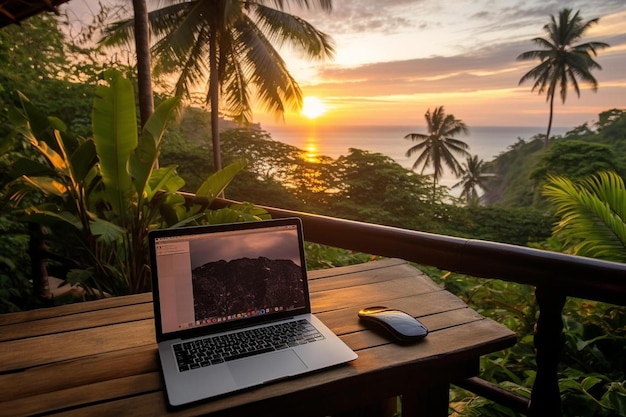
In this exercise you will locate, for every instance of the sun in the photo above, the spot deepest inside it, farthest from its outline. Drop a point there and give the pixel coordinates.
(313, 107)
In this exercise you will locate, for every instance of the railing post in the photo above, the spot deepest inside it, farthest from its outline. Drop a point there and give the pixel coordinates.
(545, 399)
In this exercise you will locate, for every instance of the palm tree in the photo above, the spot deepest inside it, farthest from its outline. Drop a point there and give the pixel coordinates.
(232, 42)
(473, 176)
(593, 214)
(562, 62)
(438, 146)
(144, 72)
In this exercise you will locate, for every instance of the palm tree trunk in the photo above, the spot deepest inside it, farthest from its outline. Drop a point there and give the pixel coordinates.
(434, 188)
(142, 47)
(550, 120)
(213, 99)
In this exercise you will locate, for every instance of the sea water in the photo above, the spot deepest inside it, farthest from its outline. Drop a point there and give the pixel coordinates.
(486, 142)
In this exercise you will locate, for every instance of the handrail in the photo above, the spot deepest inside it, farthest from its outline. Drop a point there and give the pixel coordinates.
(573, 275)
(554, 276)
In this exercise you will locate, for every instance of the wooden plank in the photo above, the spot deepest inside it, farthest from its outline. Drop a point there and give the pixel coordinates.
(81, 395)
(82, 371)
(364, 278)
(113, 302)
(77, 321)
(72, 345)
(350, 277)
(371, 294)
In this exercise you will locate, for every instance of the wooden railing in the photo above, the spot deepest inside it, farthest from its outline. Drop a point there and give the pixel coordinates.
(554, 275)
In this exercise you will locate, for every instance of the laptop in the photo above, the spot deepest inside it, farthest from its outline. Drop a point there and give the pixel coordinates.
(219, 292)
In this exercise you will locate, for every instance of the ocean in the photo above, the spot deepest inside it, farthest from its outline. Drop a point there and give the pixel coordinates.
(486, 142)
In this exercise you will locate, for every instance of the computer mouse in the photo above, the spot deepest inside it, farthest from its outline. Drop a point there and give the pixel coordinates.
(401, 326)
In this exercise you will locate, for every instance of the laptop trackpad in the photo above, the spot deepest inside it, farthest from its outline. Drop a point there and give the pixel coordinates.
(265, 368)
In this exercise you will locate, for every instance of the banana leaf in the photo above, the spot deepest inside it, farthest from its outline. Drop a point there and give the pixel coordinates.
(114, 124)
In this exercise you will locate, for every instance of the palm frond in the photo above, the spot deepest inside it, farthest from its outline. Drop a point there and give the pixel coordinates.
(281, 28)
(266, 70)
(593, 215)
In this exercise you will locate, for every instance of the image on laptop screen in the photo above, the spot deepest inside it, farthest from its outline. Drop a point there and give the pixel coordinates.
(219, 277)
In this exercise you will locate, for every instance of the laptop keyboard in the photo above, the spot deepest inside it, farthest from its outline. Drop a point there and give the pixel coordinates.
(219, 349)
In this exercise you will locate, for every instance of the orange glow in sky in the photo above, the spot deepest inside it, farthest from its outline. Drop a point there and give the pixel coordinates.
(393, 63)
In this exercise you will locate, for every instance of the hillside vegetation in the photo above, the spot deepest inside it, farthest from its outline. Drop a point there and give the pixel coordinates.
(523, 167)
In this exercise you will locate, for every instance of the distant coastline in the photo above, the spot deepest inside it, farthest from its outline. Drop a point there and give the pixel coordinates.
(485, 141)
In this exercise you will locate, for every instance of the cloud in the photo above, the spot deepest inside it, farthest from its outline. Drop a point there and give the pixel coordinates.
(490, 67)
(353, 17)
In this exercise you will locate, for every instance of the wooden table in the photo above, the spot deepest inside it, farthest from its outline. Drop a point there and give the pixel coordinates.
(99, 358)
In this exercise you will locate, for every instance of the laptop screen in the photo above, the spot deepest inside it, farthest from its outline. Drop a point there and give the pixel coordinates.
(216, 275)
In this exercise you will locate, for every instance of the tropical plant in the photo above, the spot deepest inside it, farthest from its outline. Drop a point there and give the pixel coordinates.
(593, 215)
(101, 196)
(32, 58)
(473, 176)
(16, 292)
(236, 39)
(438, 146)
(562, 62)
(373, 187)
(574, 159)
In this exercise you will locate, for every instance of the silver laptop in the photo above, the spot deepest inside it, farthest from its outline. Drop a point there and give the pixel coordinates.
(232, 309)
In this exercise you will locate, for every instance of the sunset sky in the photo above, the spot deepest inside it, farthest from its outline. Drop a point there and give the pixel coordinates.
(395, 59)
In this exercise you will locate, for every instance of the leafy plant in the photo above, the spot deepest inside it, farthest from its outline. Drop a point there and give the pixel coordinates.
(323, 257)
(593, 215)
(102, 195)
(15, 290)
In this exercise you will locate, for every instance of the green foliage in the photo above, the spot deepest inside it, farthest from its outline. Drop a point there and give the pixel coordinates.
(15, 288)
(36, 60)
(520, 170)
(275, 165)
(517, 226)
(574, 159)
(270, 177)
(372, 186)
(322, 257)
(592, 213)
(31, 52)
(101, 196)
(510, 186)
